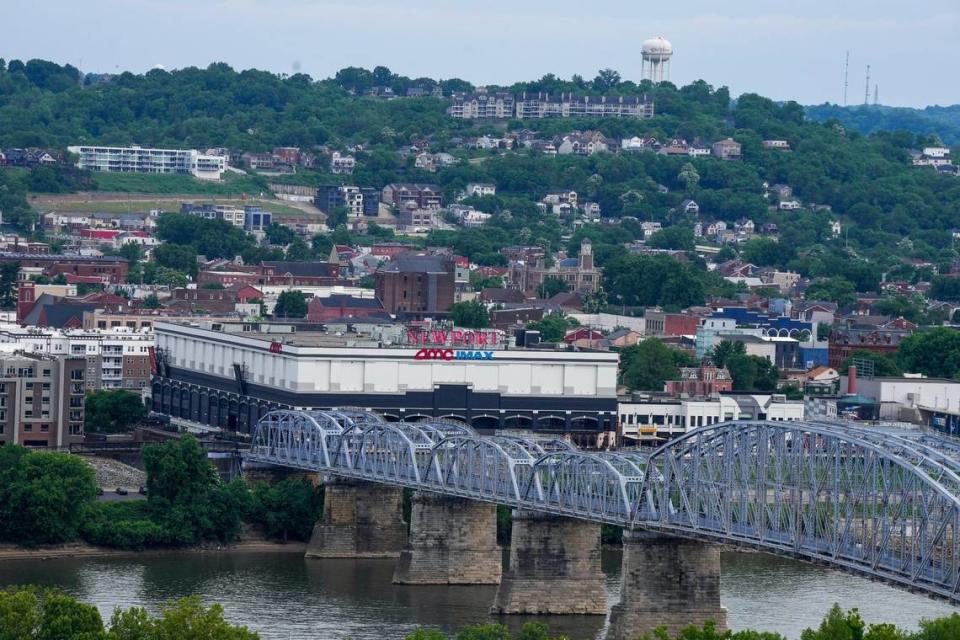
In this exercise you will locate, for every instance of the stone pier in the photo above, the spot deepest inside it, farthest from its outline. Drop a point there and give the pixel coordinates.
(554, 567)
(452, 541)
(360, 520)
(666, 581)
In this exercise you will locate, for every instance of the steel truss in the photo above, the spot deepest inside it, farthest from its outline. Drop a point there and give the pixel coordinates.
(884, 504)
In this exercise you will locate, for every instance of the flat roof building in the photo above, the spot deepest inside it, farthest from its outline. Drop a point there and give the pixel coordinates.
(142, 160)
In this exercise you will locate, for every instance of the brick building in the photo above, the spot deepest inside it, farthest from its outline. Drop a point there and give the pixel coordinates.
(425, 196)
(109, 269)
(845, 341)
(697, 382)
(416, 284)
(337, 305)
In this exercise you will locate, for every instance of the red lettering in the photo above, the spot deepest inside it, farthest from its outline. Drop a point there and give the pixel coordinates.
(412, 337)
(481, 337)
(434, 354)
(440, 337)
(447, 354)
(457, 337)
(493, 337)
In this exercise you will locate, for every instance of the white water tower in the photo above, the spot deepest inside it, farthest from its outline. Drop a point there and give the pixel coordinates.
(656, 59)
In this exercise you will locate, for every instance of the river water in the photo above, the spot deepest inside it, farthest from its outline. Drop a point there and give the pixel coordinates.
(286, 597)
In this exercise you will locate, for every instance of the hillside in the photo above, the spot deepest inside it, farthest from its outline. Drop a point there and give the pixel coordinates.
(890, 210)
(943, 122)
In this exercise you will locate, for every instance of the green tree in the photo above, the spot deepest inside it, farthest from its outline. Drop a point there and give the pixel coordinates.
(152, 302)
(183, 619)
(946, 628)
(43, 496)
(290, 304)
(298, 251)
(186, 497)
(177, 257)
(113, 411)
(9, 274)
(752, 373)
(553, 327)
(837, 625)
(288, 509)
(764, 252)
(279, 234)
(471, 314)
(551, 286)
(837, 289)
(726, 349)
(647, 365)
(933, 353)
(678, 238)
(883, 365)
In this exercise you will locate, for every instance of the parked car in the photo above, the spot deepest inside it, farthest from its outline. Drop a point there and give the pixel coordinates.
(121, 491)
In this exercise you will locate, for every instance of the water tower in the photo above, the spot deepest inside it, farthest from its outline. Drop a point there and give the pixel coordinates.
(656, 59)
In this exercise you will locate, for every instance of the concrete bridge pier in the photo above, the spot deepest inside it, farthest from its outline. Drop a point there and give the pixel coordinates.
(452, 541)
(360, 520)
(666, 581)
(554, 567)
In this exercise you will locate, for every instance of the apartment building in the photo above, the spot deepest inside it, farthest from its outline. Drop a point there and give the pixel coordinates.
(424, 196)
(482, 106)
(141, 160)
(342, 164)
(41, 399)
(228, 213)
(115, 358)
(358, 201)
(544, 105)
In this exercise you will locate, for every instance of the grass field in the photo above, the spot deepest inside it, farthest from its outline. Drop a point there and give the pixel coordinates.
(231, 184)
(118, 206)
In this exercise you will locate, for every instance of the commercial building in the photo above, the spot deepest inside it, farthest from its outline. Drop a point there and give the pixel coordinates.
(41, 399)
(116, 358)
(652, 420)
(416, 285)
(230, 375)
(931, 401)
(845, 341)
(141, 160)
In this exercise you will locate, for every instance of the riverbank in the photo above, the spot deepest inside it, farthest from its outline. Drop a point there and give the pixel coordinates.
(83, 550)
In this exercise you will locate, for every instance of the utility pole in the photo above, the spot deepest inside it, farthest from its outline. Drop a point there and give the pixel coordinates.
(846, 77)
(876, 94)
(866, 91)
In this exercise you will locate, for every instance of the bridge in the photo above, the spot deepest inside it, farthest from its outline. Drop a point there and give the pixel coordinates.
(881, 503)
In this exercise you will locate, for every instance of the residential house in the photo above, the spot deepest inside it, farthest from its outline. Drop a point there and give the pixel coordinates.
(424, 196)
(481, 189)
(690, 207)
(342, 164)
(727, 149)
(776, 145)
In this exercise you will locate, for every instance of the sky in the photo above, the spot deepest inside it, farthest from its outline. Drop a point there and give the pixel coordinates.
(783, 50)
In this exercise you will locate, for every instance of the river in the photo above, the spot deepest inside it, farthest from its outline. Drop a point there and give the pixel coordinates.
(285, 597)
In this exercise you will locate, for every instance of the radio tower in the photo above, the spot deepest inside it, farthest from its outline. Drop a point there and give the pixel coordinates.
(866, 91)
(846, 77)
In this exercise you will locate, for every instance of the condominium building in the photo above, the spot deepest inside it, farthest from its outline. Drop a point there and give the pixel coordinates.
(117, 358)
(358, 201)
(140, 160)
(228, 213)
(481, 106)
(544, 105)
(41, 399)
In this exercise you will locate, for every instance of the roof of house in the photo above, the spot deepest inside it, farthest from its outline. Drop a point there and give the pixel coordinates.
(494, 294)
(337, 300)
(413, 263)
(316, 268)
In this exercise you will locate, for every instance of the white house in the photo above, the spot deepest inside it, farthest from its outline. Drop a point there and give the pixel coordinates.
(481, 189)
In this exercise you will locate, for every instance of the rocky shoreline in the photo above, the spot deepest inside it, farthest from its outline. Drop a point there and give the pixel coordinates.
(83, 550)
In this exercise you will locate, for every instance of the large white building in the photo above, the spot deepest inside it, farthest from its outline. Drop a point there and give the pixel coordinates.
(142, 160)
(229, 375)
(654, 420)
(117, 358)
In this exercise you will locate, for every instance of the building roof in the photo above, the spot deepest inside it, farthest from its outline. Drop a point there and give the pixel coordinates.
(314, 269)
(414, 263)
(337, 300)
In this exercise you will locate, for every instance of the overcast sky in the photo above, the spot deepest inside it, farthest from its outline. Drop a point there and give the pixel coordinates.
(785, 50)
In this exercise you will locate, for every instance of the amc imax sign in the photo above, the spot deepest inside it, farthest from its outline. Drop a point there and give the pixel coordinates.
(450, 354)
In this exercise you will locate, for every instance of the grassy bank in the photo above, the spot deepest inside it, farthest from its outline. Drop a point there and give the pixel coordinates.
(83, 204)
(231, 184)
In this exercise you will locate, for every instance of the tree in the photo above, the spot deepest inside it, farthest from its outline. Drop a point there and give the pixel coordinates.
(647, 366)
(152, 302)
(288, 509)
(689, 177)
(752, 373)
(471, 314)
(279, 234)
(725, 350)
(43, 496)
(298, 251)
(677, 238)
(883, 365)
(837, 625)
(47, 614)
(945, 288)
(606, 80)
(763, 252)
(290, 304)
(551, 286)
(183, 619)
(836, 289)
(186, 497)
(113, 411)
(934, 353)
(177, 257)
(553, 327)
(169, 277)
(9, 274)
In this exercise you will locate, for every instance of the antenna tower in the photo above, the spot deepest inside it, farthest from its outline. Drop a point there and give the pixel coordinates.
(866, 91)
(846, 77)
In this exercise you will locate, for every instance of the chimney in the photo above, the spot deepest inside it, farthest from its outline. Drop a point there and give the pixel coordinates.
(851, 381)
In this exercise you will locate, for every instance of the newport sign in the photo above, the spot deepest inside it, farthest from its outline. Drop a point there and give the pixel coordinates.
(456, 337)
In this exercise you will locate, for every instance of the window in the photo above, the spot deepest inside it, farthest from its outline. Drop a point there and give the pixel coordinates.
(44, 428)
(28, 428)
(76, 374)
(46, 374)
